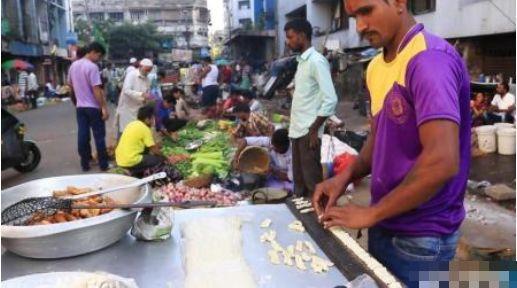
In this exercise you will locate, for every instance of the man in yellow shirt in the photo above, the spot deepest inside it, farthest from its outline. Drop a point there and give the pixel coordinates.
(136, 149)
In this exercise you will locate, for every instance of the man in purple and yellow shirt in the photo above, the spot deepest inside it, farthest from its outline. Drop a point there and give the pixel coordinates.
(419, 150)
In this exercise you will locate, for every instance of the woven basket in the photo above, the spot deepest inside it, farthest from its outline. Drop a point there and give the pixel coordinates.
(254, 160)
(199, 181)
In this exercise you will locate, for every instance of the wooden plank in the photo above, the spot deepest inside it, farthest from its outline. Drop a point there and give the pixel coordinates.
(344, 259)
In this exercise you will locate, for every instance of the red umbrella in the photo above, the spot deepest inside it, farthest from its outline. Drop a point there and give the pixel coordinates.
(16, 64)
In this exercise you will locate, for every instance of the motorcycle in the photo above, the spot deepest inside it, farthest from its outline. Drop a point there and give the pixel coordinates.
(17, 152)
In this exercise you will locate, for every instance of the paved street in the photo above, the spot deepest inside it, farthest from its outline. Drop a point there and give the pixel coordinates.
(54, 129)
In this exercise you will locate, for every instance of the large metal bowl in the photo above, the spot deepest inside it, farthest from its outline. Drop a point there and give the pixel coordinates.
(75, 237)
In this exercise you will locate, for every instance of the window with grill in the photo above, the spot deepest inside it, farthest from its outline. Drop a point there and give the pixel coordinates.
(340, 19)
(137, 15)
(245, 22)
(116, 16)
(244, 4)
(418, 7)
(97, 16)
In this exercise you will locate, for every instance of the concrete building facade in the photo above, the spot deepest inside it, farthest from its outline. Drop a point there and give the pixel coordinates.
(37, 31)
(482, 30)
(252, 31)
(186, 21)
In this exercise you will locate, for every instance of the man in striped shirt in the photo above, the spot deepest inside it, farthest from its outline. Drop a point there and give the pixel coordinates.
(22, 84)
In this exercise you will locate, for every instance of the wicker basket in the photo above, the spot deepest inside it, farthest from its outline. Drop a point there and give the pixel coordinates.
(199, 181)
(254, 160)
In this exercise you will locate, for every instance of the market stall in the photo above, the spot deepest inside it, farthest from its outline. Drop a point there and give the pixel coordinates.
(279, 245)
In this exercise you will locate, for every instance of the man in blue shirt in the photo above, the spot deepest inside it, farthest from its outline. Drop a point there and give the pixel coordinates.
(314, 100)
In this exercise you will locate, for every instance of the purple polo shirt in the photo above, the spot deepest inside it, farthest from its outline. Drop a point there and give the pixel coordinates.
(84, 75)
(428, 80)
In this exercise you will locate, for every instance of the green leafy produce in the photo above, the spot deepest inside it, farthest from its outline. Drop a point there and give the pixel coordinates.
(184, 168)
(173, 150)
(214, 162)
(213, 157)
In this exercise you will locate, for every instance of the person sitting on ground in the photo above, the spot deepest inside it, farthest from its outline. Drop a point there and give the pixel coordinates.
(181, 108)
(8, 93)
(50, 92)
(478, 109)
(250, 99)
(251, 123)
(226, 107)
(279, 146)
(502, 106)
(137, 150)
(163, 110)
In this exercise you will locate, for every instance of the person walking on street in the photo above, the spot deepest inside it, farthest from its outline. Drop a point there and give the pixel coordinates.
(22, 85)
(32, 88)
(314, 100)
(418, 151)
(135, 93)
(209, 76)
(84, 78)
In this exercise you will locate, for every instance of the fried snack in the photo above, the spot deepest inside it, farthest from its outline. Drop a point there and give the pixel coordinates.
(62, 216)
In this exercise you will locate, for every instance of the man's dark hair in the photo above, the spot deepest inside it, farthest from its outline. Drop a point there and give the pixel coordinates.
(173, 125)
(176, 90)
(96, 47)
(207, 59)
(169, 98)
(241, 108)
(161, 74)
(145, 112)
(505, 86)
(299, 26)
(280, 139)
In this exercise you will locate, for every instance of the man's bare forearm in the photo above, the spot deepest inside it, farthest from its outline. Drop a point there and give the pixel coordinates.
(363, 164)
(320, 120)
(99, 96)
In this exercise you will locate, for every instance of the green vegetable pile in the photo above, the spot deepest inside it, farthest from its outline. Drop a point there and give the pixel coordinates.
(213, 157)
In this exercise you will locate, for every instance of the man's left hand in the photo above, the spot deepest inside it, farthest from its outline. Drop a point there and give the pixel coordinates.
(313, 139)
(350, 216)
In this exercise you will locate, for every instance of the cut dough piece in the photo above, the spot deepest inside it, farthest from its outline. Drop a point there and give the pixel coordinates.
(307, 210)
(265, 223)
(299, 246)
(310, 247)
(276, 246)
(216, 260)
(297, 226)
(298, 199)
(290, 250)
(305, 256)
(303, 205)
(299, 262)
(273, 257)
(320, 265)
(288, 259)
(268, 236)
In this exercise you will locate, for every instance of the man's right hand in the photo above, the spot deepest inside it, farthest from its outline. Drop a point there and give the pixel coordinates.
(105, 113)
(327, 192)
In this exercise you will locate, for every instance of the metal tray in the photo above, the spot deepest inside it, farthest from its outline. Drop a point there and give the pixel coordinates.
(75, 237)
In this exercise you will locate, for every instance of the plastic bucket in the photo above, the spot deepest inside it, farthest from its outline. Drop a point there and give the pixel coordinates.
(506, 141)
(486, 138)
(503, 125)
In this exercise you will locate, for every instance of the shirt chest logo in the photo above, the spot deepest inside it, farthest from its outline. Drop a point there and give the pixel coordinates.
(397, 106)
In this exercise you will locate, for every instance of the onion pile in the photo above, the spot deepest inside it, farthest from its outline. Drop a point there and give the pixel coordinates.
(179, 193)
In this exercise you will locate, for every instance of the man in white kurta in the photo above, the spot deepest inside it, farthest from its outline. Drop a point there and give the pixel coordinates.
(134, 95)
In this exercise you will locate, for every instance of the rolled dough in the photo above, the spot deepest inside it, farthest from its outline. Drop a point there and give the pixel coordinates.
(213, 254)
